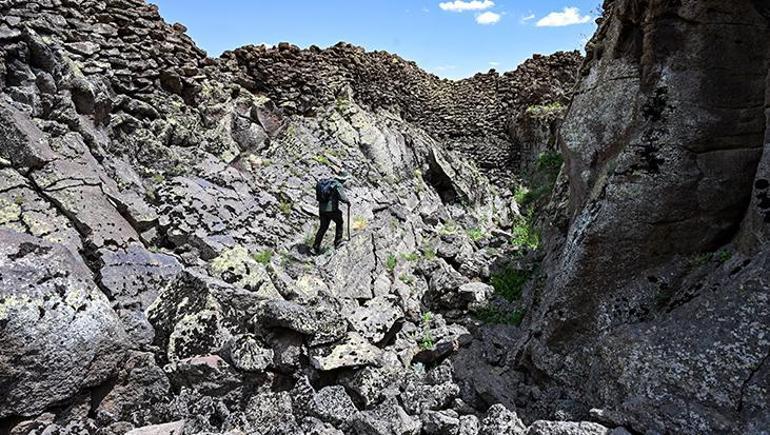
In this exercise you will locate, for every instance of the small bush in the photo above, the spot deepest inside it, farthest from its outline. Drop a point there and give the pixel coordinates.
(549, 161)
(406, 279)
(525, 235)
(701, 259)
(449, 228)
(476, 234)
(322, 159)
(543, 110)
(359, 223)
(509, 283)
(158, 179)
(286, 207)
(391, 263)
(429, 253)
(263, 257)
(493, 315)
(18, 200)
(411, 256)
(426, 341)
(724, 255)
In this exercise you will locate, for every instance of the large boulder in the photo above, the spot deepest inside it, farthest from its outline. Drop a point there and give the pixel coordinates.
(58, 333)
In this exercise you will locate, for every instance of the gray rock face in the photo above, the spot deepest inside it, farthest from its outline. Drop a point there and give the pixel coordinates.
(59, 333)
(662, 162)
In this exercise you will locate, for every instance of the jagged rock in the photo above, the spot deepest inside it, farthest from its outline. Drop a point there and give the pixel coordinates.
(174, 428)
(59, 334)
(353, 351)
(25, 146)
(376, 318)
(332, 405)
(418, 397)
(475, 294)
(196, 315)
(322, 323)
(440, 422)
(501, 421)
(210, 375)
(469, 425)
(388, 418)
(541, 427)
(133, 277)
(248, 354)
(371, 385)
(141, 393)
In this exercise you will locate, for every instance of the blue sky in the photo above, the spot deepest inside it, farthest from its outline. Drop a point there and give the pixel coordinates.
(450, 38)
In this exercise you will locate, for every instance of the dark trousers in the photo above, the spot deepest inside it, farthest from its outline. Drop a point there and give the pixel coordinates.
(326, 218)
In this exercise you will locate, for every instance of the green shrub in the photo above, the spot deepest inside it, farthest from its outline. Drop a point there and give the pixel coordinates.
(549, 161)
(426, 341)
(449, 228)
(411, 256)
(509, 282)
(429, 253)
(525, 235)
(724, 255)
(493, 315)
(322, 159)
(391, 262)
(285, 206)
(476, 234)
(18, 200)
(406, 279)
(263, 257)
(542, 110)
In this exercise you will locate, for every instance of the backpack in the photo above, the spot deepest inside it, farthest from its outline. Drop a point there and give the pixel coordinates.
(324, 190)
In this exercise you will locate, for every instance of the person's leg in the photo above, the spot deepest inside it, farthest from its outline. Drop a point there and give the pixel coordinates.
(319, 236)
(338, 227)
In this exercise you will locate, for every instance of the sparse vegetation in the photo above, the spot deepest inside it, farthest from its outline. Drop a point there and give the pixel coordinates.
(411, 256)
(286, 207)
(476, 234)
(509, 283)
(429, 252)
(158, 179)
(391, 262)
(524, 234)
(544, 110)
(701, 259)
(426, 341)
(449, 228)
(406, 278)
(724, 255)
(263, 257)
(359, 223)
(549, 161)
(18, 200)
(322, 159)
(494, 315)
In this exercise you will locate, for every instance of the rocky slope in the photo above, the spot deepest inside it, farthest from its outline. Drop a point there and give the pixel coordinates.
(653, 310)
(155, 207)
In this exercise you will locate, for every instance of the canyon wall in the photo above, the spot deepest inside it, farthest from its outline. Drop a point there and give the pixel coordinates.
(656, 306)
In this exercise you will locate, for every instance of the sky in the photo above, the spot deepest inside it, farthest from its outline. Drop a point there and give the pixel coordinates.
(450, 38)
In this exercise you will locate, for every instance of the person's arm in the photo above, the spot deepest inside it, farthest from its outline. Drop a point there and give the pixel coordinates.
(341, 194)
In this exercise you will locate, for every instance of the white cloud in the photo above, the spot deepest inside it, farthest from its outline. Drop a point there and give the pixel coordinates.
(488, 18)
(494, 63)
(567, 17)
(529, 17)
(461, 6)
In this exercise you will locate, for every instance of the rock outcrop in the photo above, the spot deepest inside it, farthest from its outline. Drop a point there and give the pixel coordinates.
(155, 211)
(656, 305)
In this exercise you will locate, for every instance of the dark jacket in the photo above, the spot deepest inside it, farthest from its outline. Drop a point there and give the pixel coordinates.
(338, 196)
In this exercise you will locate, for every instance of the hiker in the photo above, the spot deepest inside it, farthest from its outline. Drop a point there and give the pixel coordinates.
(329, 193)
